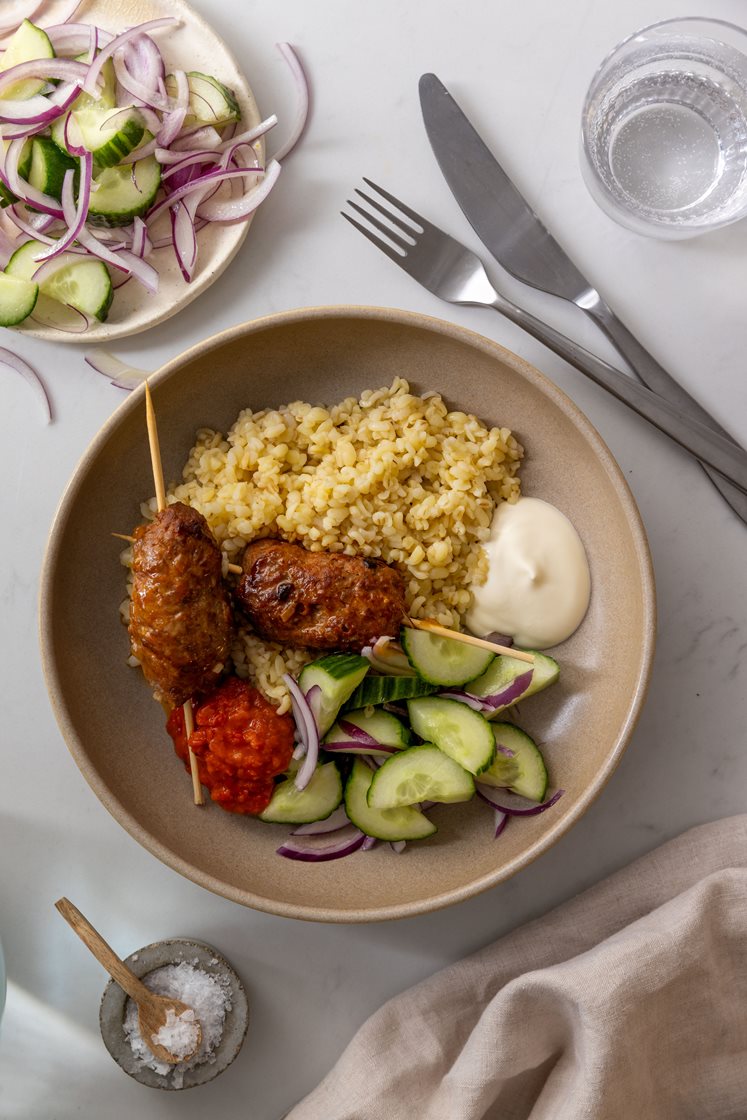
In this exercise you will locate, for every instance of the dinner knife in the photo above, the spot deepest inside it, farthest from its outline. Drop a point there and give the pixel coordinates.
(519, 241)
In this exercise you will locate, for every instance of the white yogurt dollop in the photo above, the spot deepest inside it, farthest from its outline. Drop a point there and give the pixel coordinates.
(538, 583)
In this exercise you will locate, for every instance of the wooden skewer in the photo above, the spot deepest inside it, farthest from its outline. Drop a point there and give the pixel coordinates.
(435, 628)
(155, 458)
(235, 568)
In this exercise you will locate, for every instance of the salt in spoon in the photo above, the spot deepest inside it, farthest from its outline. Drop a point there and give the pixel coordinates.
(152, 1009)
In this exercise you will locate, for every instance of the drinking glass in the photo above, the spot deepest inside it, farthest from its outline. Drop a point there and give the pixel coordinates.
(664, 128)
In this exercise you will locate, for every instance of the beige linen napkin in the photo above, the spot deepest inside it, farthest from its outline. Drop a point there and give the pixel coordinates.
(627, 1003)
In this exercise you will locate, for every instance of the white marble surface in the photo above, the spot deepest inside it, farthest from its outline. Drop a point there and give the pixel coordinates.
(521, 70)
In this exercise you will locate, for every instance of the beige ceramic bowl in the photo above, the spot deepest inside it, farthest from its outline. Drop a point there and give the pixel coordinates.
(115, 730)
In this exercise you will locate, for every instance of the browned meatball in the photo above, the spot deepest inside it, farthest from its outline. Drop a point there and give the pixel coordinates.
(323, 600)
(180, 614)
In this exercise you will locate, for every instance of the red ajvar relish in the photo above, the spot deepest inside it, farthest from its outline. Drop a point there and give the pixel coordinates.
(240, 742)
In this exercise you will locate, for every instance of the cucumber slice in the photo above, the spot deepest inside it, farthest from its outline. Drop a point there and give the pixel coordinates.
(210, 102)
(421, 773)
(443, 661)
(518, 764)
(123, 193)
(318, 801)
(49, 167)
(463, 734)
(107, 99)
(504, 677)
(17, 299)
(109, 134)
(7, 198)
(27, 44)
(383, 690)
(406, 823)
(336, 676)
(382, 726)
(84, 284)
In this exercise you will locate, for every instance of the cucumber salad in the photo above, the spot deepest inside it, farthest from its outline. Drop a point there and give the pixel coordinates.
(109, 154)
(385, 736)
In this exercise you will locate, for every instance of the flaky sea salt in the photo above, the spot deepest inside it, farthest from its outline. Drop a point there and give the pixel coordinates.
(207, 994)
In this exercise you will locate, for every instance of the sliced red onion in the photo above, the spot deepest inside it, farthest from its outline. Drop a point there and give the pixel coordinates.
(369, 843)
(513, 691)
(29, 226)
(185, 239)
(75, 38)
(75, 216)
(64, 69)
(141, 91)
(349, 746)
(501, 820)
(16, 363)
(387, 656)
(123, 259)
(204, 136)
(119, 41)
(313, 698)
(209, 179)
(302, 89)
(506, 751)
(18, 13)
(398, 846)
(174, 119)
(238, 209)
(338, 819)
(473, 702)
(511, 803)
(357, 733)
(307, 727)
(22, 189)
(499, 639)
(317, 849)
(40, 109)
(121, 374)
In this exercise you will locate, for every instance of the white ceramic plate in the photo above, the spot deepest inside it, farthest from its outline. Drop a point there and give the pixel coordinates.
(191, 46)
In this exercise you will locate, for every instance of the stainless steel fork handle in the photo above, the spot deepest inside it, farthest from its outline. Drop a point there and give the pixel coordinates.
(723, 454)
(656, 377)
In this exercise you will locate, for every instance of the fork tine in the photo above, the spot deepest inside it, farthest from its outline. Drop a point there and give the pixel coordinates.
(386, 230)
(406, 227)
(377, 241)
(407, 210)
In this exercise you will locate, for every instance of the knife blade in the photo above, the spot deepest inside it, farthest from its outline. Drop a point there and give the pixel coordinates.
(520, 242)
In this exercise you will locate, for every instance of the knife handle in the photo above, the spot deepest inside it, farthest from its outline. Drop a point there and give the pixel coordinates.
(656, 377)
(722, 454)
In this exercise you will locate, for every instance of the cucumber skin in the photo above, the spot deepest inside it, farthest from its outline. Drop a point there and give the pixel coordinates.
(45, 154)
(410, 823)
(381, 690)
(331, 674)
(411, 639)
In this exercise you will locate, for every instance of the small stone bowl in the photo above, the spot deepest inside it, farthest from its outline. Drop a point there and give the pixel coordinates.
(161, 953)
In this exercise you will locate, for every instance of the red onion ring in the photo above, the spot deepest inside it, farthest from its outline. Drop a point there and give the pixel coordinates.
(513, 805)
(238, 209)
(29, 374)
(317, 849)
(302, 90)
(119, 41)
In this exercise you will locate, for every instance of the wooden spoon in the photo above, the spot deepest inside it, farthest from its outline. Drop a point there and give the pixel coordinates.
(152, 1009)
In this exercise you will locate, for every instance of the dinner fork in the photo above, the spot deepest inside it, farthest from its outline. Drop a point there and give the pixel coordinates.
(454, 273)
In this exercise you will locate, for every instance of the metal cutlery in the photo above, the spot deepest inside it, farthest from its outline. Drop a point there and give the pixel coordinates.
(519, 241)
(454, 273)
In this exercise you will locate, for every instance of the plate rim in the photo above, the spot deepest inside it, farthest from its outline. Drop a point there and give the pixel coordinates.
(553, 833)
